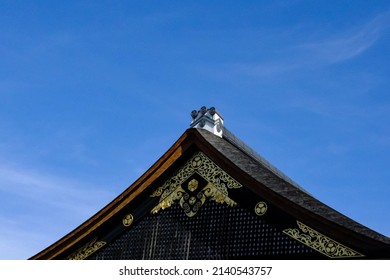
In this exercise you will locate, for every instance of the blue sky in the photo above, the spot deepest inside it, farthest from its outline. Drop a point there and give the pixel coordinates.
(94, 92)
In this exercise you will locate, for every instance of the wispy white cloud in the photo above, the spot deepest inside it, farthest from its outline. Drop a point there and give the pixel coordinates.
(341, 46)
(44, 208)
(18, 240)
(348, 44)
(45, 189)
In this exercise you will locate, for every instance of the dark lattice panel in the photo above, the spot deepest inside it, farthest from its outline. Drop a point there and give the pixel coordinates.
(215, 232)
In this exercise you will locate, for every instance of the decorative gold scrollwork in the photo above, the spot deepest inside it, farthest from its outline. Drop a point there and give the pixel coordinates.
(87, 250)
(192, 200)
(321, 243)
(261, 208)
(191, 204)
(166, 201)
(127, 220)
(219, 195)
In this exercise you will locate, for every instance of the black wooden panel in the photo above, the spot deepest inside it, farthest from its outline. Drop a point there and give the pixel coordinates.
(216, 232)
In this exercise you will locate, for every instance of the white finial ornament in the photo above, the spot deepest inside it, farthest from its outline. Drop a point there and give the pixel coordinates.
(208, 119)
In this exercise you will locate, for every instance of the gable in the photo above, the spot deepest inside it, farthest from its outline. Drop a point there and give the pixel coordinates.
(206, 198)
(217, 231)
(197, 216)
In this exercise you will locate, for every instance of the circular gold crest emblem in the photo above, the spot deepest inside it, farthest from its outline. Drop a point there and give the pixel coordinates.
(196, 162)
(127, 220)
(261, 208)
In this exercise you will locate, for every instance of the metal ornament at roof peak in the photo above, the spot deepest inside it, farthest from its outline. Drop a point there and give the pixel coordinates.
(208, 119)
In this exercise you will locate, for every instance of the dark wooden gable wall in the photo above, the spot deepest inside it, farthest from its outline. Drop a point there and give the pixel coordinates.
(209, 198)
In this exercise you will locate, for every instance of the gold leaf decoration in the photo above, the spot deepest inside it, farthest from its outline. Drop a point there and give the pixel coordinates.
(261, 208)
(219, 195)
(87, 250)
(321, 243)
(191, 204)
(127, 220)
(191, 199)
(193, 185)
(168, 198)
(201, 164)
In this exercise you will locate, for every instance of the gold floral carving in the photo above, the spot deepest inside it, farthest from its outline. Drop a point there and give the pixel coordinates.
(166, 201)
(191, 201)
(87, 250)
(193, 185)
(320, 242)
(219, 195)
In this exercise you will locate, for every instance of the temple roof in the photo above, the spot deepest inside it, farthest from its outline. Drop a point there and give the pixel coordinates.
(290, 203)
